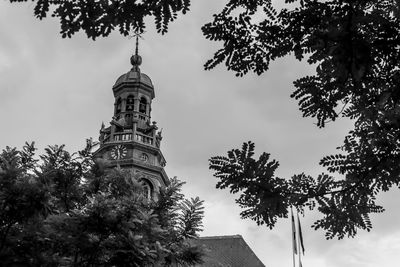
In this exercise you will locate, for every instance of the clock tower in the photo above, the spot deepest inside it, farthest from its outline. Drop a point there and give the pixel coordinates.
(132, 141)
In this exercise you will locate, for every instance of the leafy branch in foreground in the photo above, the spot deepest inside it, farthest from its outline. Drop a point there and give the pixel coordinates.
(101, 17)
(345, 204)
(355, 47)
(67, 210)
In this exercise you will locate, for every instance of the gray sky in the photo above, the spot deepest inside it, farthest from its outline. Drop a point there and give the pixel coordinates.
(58, 91)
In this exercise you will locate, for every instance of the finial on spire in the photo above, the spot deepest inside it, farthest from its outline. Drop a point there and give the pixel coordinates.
(136, 59)
(137, 45)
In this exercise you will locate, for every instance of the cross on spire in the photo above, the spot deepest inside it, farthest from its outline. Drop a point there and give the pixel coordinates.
(137, 45)
(136, 59)
(137, 35)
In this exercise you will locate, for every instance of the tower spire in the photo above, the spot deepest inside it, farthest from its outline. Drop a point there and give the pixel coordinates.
(137, 45)
(136, 59)
(131, 141)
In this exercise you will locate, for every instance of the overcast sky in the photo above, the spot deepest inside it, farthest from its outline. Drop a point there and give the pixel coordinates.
(58, 91)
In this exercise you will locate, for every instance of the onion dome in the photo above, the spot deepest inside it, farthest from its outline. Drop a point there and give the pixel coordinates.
(134, 77)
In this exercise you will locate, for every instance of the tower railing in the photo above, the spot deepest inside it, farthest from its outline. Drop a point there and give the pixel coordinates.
(145, 139)
(141, 116)
(123, 137)
(139, 137)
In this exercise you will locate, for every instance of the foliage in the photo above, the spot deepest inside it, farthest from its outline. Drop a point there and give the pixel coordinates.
(355, 46)
(265, 198)
(66, 210)
(101, 17)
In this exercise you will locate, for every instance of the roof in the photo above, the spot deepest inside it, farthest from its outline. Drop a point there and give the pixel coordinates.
(134, 76)
(227, 251)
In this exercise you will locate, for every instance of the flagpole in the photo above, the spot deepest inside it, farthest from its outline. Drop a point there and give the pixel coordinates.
(293, 237)
(294, 265)
(294, 260)
(298, 238)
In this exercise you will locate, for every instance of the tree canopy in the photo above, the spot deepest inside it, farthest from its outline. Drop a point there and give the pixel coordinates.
(66, 210)
(101, 17)
(355, 48)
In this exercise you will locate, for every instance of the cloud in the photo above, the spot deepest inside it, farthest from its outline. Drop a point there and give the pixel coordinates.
(55, 91)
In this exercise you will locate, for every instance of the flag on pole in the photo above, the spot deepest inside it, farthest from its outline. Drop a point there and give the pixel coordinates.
(293, 233)
(300, 234)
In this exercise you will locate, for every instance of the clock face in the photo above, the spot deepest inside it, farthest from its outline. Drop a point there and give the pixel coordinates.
(118, 152)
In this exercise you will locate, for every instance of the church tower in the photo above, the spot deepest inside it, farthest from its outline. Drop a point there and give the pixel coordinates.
(132, 140)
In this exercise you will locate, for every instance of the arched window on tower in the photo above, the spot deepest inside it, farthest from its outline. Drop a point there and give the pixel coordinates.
(147, 188)
(130, 103)
(118, 106)
(143, 105)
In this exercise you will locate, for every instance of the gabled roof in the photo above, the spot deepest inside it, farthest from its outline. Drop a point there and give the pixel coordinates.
(227, 251)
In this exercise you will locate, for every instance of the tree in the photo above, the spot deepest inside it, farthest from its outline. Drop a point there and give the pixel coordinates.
(66, 210)
(354, 46)
(101, 17)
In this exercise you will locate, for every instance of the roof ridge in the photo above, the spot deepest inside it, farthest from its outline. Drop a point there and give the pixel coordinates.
(221, 237)
(251, 251)
(217, 241)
